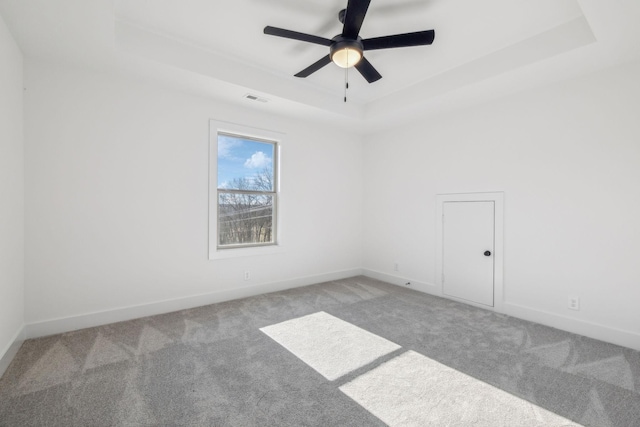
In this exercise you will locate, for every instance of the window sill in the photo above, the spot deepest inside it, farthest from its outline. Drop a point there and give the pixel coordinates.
(245, 252)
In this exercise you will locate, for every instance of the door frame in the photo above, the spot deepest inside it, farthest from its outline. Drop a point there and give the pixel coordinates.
(498, 249)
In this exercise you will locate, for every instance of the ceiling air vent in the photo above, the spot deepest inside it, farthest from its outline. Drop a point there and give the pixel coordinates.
(255, 98)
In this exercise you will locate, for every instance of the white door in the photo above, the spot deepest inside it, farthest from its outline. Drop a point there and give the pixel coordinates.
(468, 245)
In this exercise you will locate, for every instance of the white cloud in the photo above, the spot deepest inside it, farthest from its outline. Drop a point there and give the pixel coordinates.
(225, 144)
(257, 160)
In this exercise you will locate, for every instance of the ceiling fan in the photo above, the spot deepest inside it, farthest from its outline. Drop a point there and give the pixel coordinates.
(347, 49)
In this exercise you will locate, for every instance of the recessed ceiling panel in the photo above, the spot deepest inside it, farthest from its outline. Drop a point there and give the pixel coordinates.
(466, 30)
(218, 49)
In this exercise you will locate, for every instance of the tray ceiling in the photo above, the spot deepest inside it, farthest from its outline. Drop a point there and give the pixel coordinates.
(481, 50)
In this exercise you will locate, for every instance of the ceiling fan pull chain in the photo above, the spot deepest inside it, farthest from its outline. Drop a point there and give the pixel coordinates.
(346, 83)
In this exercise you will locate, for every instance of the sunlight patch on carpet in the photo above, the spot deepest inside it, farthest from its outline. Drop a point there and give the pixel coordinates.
(329, 345)
(413, 390)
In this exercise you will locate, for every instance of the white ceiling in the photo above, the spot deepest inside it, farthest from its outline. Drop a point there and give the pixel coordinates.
(482, 50)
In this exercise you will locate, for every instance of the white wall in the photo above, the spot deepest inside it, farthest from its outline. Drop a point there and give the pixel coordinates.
(567, 158)
(11, 195)
(116, 200)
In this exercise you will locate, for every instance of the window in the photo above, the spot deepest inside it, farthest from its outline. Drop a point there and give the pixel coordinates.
(244, 185)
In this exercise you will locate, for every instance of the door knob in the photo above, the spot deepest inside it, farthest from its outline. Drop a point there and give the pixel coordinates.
(487, 253)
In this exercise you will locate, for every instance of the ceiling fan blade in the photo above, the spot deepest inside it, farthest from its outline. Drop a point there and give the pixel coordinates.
(367, 71)
(314, 67)
(288, 34)
(419, 38)
(354, 16)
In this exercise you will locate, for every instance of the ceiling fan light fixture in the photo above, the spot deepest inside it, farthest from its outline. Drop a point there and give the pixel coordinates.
(347, 57)
(346, 53)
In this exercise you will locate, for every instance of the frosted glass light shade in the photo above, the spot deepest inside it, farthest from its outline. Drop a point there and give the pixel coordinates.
(347, 57)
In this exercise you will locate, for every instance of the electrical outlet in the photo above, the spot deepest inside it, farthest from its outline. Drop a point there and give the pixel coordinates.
(574, 303)
(247, 275)
(396, 267)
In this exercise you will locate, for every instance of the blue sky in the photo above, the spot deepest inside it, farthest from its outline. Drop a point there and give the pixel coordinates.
(241, 158)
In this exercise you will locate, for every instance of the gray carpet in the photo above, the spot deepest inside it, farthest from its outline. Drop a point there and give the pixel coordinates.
(213, 366)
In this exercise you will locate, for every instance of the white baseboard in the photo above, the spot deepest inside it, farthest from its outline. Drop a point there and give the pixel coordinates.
(11, 350)
(54, 326)
(425, 287)
(88, 320)
(581, 327)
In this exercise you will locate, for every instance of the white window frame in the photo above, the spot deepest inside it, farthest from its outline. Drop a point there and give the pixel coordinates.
(219, 127)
